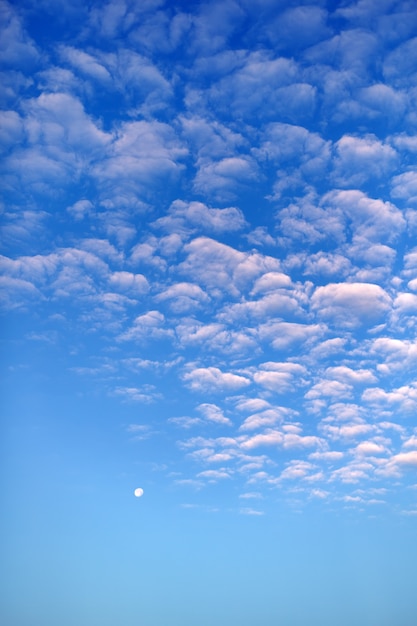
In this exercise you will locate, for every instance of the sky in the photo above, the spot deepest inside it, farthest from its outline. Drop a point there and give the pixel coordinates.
(208, 324)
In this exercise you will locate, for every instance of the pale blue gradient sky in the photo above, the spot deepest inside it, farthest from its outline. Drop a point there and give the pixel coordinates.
(209, 291)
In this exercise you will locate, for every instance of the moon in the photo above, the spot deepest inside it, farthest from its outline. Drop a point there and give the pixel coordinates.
(138, 492)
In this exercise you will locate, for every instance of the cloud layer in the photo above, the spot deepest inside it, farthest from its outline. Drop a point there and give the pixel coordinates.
(220, 202)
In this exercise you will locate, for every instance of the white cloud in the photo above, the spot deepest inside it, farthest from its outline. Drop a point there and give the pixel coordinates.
(366, 448)
(185, 422)
(86, 63)
(222, 179)
(221, 267)
(327, 455)
(145, 394)
(374, 219)
(329, 388)
(17, 293)
(277, 438)
(270, 282)
(346, 431)
(80, 209)
(283, 335)
(136, 284)
(360, 158)
(405, 458)
(150, 325)
(18, 50)
(350, 376)
(351, 304)
(213, 413)
(220, 200)
(405, 397)
(262, 419)
(188, 217)
(142, 154)
(285, 143)
(183, 297)
(326, 264)
(214, 475)
(250, 511)
(252, 404)
(404, 187)
(299, 470)
(212, 379)
(304, 24)
(411, 442)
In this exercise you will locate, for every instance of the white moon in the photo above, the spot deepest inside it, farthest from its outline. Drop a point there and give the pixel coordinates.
(138, 492)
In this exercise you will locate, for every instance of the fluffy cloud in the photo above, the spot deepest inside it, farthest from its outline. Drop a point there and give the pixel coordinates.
(360, 158)
(212, 379)
(218, 202)
(188, 217)
(351, 304)
(213, 413)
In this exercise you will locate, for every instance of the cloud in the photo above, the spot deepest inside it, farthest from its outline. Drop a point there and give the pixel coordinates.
(222, 268)
(399, 65)
(411, 442)
(329, 388)
(219, 200)
(17, 293)
(328, 456)
(264, 86)
(360, 158)
(213, 413)
(250, 511)
(350, 376)
(223, 179)
(299, 26)
(183, 297)
(346, 431)
(150, 325)
(351, 304)
(270, 282)
(80, 209)
(285, 335)
(300, 470)
(145, 394)
(306, 222)
(135, 284)
(280, 377)
(214, 475)
(213, 380)
(289, 144)
(369, 448)
(326, 264)
(142, 154)
(211, 139)
(373, 219)
(17, 49)
(407, 459)
(11, 129)
(277, 438)
(404, 187)
(185, 422)
(404, 397)
(190, 217)
(85, 63)
(262, 419)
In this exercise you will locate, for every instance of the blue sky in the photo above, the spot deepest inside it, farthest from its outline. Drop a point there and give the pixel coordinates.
(209, 292)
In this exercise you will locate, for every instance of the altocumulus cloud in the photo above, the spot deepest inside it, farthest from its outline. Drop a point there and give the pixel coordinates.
(210, 215)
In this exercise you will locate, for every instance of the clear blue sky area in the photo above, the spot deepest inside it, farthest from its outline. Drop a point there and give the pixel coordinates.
(208, 313)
